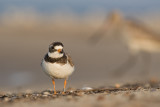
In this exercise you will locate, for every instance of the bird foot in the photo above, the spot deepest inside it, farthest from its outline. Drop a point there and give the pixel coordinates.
(63, 93)
(55, 92)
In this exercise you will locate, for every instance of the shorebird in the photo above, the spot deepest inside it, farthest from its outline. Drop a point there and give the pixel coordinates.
(57, 64)
(136, 36)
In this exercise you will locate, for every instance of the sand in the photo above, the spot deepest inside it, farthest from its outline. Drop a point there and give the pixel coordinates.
(128, 95)
(23, 45)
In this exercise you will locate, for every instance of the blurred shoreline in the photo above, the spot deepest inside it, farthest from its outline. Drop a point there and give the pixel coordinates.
(28, 23)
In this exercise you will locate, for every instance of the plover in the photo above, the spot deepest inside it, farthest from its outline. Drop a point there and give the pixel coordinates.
(136, 36)
(57, 64)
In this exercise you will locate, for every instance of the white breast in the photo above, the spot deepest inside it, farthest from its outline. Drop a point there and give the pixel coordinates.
(55, 70)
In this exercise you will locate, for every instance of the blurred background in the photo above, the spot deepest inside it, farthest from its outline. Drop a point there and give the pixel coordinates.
(27, 27)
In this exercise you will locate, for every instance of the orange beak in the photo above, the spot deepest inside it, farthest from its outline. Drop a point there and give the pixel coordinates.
(59, 50)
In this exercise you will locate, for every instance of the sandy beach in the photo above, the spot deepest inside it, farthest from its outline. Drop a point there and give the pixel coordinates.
(128, 95)
(24, 40)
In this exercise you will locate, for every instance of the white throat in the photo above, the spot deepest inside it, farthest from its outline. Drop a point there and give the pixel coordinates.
(55, 54)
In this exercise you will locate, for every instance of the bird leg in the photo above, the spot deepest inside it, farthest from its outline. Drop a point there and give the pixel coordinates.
(64, 89)
(54, 86)
(147, 63)
(126, 66)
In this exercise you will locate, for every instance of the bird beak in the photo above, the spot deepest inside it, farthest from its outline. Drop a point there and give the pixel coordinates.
(59, 50)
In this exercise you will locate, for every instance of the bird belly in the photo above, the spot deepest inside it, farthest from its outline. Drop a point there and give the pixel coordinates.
(55, 70)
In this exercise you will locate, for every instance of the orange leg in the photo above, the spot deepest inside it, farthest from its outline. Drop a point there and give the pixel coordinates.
(64, 89)
(54, 86)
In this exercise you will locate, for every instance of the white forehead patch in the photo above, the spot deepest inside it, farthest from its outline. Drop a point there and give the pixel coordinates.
(58, 47)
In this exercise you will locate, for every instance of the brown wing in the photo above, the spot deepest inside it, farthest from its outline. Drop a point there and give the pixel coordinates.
(70, 60)
(142, 27)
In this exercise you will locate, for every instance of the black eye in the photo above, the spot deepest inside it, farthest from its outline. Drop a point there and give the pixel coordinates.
(52, 47)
